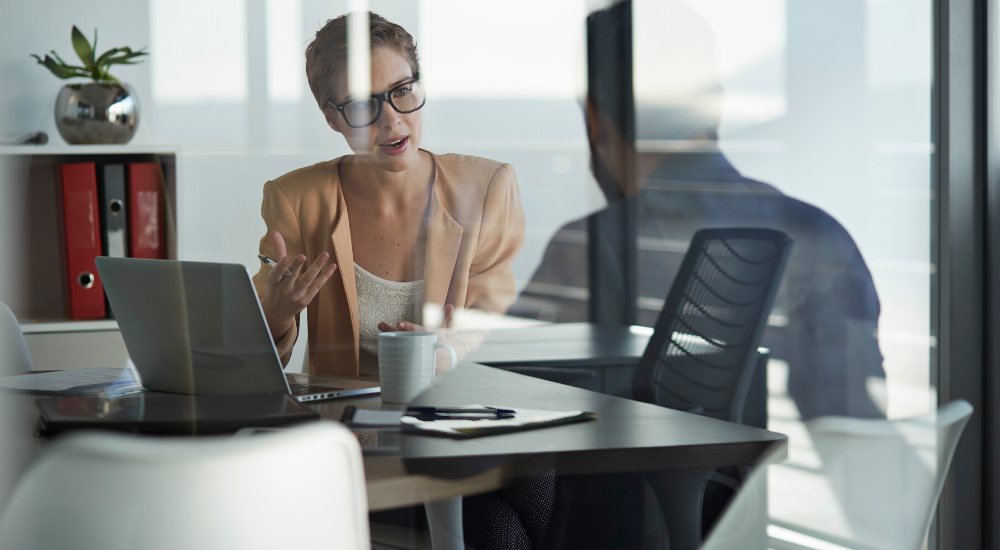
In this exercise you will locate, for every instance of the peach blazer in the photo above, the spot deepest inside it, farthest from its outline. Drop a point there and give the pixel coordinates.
(475, 228)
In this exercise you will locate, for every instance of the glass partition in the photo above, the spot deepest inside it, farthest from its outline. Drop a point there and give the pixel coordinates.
(813, 118)
(542, 167)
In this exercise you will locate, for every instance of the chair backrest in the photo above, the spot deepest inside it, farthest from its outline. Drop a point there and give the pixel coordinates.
(109, 491)
(13, 351)
(880, 481)
(704, 345)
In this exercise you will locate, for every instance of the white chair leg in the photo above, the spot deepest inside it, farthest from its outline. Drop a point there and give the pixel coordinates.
(444, 518)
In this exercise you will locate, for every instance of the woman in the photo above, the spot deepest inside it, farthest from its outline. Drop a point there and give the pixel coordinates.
(414, 234)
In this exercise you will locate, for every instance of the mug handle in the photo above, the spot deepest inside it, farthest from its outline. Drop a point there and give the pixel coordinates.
(451, 351)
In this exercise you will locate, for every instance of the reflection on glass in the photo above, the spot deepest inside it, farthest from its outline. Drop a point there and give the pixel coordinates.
(880, 484)
(792, 129)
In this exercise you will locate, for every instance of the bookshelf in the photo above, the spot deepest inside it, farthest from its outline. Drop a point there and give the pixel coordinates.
(47, 326)
(32, 270)
(78, 150)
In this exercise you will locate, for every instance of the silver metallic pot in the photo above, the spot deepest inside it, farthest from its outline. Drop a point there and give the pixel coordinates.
(105, 112)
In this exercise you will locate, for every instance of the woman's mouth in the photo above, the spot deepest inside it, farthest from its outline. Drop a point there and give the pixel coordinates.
(395, 147)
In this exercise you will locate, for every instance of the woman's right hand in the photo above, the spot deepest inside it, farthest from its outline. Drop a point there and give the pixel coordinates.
(286, 296)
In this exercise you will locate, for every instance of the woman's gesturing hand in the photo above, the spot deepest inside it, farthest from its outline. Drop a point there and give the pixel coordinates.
(406, 326)
(286, 296)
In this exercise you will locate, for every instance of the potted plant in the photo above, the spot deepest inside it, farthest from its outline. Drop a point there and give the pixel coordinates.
(103, 110)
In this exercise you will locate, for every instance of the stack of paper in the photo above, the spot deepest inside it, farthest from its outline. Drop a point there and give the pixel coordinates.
(524, 419)
(93, 382)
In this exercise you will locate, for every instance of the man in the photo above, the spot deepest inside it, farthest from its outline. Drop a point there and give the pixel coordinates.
(825, 316)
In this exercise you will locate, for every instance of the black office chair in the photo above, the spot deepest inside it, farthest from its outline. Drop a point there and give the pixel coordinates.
(703, 350)
(700, 359)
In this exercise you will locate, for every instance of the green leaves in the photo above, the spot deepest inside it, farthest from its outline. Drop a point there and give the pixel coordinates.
(97, 69)
(82, 47)
(61, 70)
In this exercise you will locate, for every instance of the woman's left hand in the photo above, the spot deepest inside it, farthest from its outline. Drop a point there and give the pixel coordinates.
(405, 326)
(442, 360)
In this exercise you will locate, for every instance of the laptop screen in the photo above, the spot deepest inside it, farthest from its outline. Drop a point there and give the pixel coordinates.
(192, 327)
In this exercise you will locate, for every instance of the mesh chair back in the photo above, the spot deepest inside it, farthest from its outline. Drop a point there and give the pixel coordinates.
(704, 346)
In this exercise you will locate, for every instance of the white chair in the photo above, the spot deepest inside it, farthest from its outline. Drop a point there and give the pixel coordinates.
(13, 351)
(118, 492)
(885, 478)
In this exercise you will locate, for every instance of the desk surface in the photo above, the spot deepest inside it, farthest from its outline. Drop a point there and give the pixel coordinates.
(576, 344)
(627, 436)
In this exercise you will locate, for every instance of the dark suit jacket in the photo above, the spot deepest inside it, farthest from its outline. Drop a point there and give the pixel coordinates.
(825, 317)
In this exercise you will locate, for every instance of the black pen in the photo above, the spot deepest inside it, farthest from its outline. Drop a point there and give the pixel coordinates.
(271, 263)
(460, 412)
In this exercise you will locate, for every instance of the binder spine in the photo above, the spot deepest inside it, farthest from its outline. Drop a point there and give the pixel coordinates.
(114, 218)
(146, 211)
(81, 216)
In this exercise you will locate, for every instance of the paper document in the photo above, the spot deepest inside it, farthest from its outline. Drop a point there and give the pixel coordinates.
(370, 418)
(524, 419)
(69, 379)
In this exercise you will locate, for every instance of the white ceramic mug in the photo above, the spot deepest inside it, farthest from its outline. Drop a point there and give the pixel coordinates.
(406, 363)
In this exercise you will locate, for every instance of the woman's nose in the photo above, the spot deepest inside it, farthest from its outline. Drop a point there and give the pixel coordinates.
(389, 118)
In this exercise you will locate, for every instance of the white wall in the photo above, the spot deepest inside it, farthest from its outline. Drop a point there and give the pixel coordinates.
(233, 136)
(225, 83)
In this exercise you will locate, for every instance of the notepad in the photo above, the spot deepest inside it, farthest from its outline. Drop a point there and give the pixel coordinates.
(367, 418)
(93, 382)
(524, 419)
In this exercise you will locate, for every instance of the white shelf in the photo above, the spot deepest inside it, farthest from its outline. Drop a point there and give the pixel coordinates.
(42, 326)
(121, 149)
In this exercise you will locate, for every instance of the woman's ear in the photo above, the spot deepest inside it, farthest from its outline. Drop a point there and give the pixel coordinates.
(333, 119)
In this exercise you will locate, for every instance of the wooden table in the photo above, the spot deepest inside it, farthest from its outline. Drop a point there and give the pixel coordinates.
(628, 436)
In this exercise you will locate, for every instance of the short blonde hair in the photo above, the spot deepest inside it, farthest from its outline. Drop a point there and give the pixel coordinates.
(326, 55)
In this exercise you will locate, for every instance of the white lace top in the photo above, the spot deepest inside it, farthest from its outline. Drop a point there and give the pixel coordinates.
(381, 300)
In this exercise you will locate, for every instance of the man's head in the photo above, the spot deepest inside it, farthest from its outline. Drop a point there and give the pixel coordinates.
(651, 76)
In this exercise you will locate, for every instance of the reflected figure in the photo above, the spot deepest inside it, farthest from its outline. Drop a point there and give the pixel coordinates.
(825, 318)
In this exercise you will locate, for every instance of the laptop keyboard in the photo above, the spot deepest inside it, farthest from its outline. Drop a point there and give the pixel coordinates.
(306, 389)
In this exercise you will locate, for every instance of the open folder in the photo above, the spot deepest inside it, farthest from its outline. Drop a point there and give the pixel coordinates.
(522, 419)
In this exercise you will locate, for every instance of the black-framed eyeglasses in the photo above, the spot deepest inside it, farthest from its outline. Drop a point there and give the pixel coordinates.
(404, 98)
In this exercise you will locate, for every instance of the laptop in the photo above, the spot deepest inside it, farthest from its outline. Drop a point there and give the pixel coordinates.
(171, 413)
(197, 328)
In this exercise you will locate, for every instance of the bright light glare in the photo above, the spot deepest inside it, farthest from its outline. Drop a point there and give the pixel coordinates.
(286, 45)
(359, 65)
(517, 48)
(198, 51)
(683, 50)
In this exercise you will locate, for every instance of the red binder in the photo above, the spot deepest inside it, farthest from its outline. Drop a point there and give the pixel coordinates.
(147, 228)
(82, 227)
